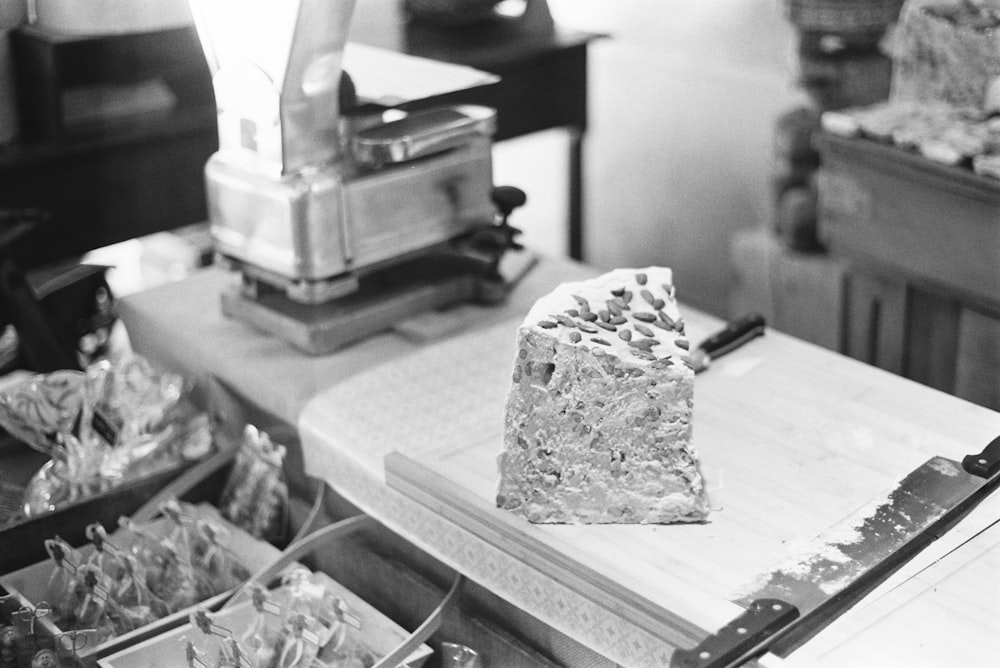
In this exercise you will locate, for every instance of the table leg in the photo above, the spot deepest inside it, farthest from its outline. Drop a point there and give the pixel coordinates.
(575, 216)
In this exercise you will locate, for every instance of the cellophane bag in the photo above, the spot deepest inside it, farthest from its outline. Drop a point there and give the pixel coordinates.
(255, 496)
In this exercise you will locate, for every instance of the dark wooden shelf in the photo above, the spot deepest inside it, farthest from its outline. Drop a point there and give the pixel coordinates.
(107, 135)
(109, 185)
(122, 175)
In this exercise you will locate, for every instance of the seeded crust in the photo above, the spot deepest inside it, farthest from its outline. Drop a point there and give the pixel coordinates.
(598, 415)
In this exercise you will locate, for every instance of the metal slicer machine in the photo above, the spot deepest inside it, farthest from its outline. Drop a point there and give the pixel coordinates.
(339, 223)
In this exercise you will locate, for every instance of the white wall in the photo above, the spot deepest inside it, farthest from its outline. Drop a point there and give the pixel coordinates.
(683, 98)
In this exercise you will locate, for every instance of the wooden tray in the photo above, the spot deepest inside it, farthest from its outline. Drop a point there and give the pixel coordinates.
(193, 481)
(28, 586)
(167, 649)
(384, 638)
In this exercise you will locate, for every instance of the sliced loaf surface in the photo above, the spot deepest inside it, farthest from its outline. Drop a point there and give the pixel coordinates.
(598, 415)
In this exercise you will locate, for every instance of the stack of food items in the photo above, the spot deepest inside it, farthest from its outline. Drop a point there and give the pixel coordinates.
(947, 51)
(598, 415)
(945, 100)
(102, 427)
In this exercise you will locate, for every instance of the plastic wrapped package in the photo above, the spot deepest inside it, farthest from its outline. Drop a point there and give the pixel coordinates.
(101, 428)
(255, 497)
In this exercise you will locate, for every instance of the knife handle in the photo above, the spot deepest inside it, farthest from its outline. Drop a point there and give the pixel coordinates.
(735, 334)
(986, 463)
(763, 618)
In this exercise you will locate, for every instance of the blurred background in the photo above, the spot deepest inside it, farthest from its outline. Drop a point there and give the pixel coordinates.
(684, 95)
(703, 151)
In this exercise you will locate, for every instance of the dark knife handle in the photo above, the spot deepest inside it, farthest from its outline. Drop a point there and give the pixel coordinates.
(734, 335)
(986, 463)
(762, 619)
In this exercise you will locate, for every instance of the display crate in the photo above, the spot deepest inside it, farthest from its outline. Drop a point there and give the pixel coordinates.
(389, 645)
(28, 587)
(194, 481)
(167, 649)
(920, 240)
(29, 533)
(896, 209)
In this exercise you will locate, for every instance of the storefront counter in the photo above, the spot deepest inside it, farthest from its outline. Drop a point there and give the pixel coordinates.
(793, 439)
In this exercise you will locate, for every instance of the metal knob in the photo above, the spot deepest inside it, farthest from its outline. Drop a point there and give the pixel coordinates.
(508, 198)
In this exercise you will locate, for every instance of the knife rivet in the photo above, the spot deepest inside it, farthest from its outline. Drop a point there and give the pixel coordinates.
(776, 606)
(982, 460)
(742, 631)
(704, 655)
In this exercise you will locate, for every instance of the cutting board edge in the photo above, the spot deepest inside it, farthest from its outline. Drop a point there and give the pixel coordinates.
(422, 484)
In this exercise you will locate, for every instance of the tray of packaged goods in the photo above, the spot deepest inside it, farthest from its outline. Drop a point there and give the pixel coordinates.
(306, 619)
(95, 444)
(127, 585)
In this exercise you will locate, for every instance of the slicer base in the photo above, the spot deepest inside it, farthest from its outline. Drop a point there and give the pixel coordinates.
(380, 302)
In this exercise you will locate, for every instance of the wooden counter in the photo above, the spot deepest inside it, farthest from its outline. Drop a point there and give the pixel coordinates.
(793, 438)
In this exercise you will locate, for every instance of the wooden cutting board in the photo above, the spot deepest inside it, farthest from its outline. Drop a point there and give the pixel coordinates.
(792, 439)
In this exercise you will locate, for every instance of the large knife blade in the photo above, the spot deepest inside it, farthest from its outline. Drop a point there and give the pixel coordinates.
(790, 603)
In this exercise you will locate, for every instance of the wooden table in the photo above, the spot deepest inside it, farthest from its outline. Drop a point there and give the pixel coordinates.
(793, 438)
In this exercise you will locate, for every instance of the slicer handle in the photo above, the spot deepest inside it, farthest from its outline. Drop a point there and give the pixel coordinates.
(735, 334)
(762, 619)
(422, 133)
(508, 198)
(987, 463)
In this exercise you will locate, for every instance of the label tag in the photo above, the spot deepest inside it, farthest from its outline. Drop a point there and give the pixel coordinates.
(105, 427)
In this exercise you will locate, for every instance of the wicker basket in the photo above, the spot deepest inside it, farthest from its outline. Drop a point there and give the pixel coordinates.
(842, 16)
